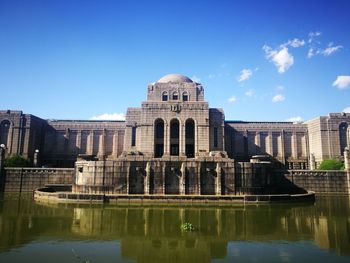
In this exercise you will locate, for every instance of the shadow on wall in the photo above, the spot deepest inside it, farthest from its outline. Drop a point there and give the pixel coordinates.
(241, 148)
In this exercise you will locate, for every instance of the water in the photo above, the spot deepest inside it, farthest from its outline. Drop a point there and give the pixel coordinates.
(32, 232)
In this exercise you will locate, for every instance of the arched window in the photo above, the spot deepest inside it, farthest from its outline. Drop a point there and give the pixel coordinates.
(174, 137)
(165, 96)
(175, 95)
(158, 138)
(133, 136)
(343, 128)
(185, 96)
(4, 131)
(189, 138)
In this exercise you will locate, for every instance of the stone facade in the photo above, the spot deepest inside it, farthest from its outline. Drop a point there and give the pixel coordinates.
(175, 120)
(329, 136)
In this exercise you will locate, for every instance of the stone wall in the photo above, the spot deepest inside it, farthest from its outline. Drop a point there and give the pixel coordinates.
(21, 133)
(329, 135)
(332, 182)
(64, 140)
(286, 142)
(29, 179)
(173, 176)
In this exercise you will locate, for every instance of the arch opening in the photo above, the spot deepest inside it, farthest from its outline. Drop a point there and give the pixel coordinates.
(343, 140)
(158, 138)
(190, 138)
(174, 137)
(4, 132)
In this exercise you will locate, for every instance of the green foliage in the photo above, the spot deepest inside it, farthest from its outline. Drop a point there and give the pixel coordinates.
(187, 227)
(17, 161)
(331, 165)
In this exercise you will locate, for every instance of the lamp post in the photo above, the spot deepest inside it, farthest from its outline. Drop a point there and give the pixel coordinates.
(2, 158)
(36, 158)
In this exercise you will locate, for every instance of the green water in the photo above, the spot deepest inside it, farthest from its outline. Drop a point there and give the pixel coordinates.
(32, 232)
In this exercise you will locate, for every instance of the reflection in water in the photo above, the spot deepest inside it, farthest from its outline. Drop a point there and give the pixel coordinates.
(152, 234)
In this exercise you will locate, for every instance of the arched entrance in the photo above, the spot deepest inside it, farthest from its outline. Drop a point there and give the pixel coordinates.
(4, 132)
(174, 137)
(189, 134)
(343, 140)
(136, 181)
(207, 181)
(172, 181)
(158, 138)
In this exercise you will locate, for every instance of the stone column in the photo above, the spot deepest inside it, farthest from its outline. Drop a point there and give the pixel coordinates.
(270, 146)
(90, 143)
(294, 146)
(182, 181)
(218, 179)
(36, 158)
(347, 166)
(78, 142)
(283, 148)
(166, 139)
(115, 145)
(196, 150)
(347, 159)
(101, 144)
(312, 162)
(146, 184)
(257, 143)
(182, 140)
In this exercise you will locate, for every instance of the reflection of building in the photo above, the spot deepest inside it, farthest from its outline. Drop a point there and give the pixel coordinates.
(153, 233)
(175, 120)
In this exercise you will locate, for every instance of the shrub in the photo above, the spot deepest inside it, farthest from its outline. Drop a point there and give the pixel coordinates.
(187, 227)
(17, 161)
(331, 165)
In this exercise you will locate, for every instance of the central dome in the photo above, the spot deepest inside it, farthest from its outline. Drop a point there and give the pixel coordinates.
(176, 78)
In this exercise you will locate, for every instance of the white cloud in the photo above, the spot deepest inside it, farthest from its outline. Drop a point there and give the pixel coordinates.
(281, 58)
(330, 49)
(211, 76)
(310, 53)
(295, 119)
(347, 110)
(196, 79)
(232, 99)
(278, 98)
(313, 35)
(245, 75)
(342, 82)
(109, 116)
(294, 43)
(280, 88)
(249, 93)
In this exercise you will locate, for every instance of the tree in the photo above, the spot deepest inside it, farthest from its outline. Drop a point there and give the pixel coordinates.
(17, 161)
(331, 164)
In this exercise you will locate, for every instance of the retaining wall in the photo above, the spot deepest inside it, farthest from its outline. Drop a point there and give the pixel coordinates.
(320, 181)
(29, 179)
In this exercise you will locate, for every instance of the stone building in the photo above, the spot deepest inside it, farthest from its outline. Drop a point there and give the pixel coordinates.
(175, 120)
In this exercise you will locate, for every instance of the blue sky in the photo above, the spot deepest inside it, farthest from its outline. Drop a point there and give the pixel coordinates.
(258, 60)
